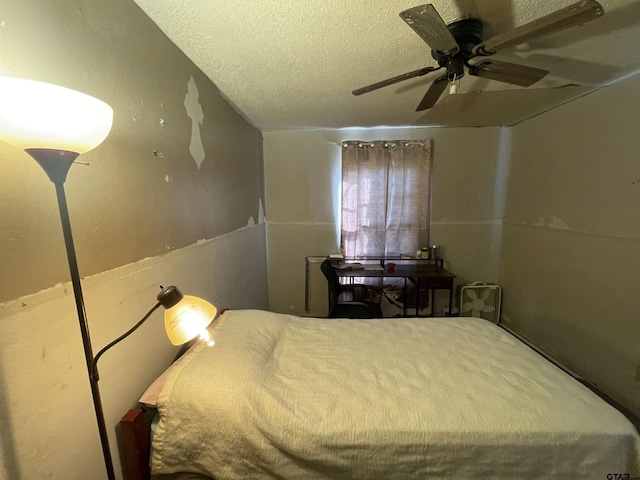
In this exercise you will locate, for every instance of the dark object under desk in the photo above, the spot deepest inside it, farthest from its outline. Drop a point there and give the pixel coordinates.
(423, 276)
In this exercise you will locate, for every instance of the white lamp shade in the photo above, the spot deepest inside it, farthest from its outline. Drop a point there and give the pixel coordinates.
(188, 319)
(40, 115)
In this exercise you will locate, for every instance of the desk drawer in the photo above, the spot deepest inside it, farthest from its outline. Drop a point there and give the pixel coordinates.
(435, 282)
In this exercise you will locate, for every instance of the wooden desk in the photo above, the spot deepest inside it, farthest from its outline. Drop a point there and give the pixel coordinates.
(397, 259)
(430, 277)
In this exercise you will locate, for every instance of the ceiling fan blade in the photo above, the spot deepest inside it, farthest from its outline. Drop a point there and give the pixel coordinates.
(428, 24)
(392, 80)
(507, 72)
(575, 14)
(433, 94)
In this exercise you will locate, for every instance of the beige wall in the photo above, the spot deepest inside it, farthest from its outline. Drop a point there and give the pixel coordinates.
(139, 220)
(302, 178)
(570, 265)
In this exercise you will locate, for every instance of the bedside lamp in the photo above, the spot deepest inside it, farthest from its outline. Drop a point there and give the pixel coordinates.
(54, 125)
(186, 317)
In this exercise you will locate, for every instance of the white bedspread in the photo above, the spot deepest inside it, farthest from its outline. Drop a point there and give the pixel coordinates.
(281, 396)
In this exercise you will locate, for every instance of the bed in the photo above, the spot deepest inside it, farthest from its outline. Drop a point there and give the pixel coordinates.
(280, 396)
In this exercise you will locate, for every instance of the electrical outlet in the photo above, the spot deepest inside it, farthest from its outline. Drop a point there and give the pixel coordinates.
(638, 373)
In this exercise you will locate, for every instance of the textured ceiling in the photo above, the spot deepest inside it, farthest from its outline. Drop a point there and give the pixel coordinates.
(293, 63)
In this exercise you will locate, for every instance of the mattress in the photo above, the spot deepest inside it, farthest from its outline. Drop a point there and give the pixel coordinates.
(280, 396)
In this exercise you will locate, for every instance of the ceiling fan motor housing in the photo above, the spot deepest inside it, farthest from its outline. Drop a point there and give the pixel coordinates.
(468, 33)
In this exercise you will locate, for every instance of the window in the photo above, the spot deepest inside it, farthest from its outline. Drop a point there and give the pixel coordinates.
(385, 197)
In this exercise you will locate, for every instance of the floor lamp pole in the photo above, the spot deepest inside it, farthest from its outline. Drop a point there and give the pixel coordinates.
(54, 124)
(56, 164)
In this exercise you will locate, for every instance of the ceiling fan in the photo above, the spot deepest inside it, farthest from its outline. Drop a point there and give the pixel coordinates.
(454, 45)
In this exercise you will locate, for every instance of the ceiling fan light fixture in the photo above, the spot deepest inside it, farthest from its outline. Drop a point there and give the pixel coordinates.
(455, 68)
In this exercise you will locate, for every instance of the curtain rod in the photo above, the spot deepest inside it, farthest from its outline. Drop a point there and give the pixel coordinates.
(386, 144)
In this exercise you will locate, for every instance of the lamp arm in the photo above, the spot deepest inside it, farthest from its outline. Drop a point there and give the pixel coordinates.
(94, 366)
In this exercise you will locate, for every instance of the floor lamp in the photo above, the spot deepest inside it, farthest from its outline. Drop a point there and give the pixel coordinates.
(54, 125)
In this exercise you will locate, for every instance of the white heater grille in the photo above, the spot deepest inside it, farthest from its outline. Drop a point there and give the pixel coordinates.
(316, 295)
(479, 299)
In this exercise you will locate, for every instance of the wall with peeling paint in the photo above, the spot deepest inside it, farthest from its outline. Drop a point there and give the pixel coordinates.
(173, 196)
(570, 265)
(149, 171)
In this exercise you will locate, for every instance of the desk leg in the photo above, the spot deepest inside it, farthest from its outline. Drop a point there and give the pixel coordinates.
(433, 302)
(450, 299)
(404, 295)
(418, 297)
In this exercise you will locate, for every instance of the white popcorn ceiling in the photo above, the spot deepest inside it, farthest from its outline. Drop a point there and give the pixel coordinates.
(293, 63)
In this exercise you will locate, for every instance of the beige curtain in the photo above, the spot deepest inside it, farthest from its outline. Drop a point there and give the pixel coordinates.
(385, 197)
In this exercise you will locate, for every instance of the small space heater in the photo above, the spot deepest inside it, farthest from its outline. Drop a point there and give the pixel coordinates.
(479, 299)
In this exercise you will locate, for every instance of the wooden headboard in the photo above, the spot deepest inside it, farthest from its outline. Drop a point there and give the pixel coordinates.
(136, 444)
(136, 434)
